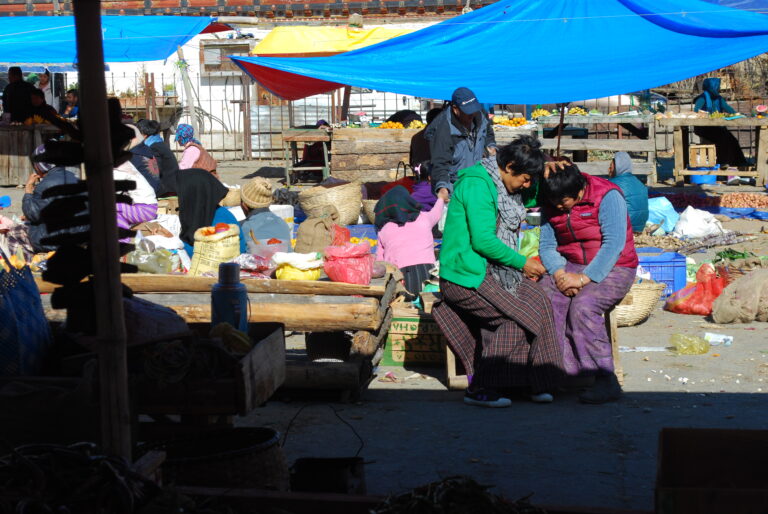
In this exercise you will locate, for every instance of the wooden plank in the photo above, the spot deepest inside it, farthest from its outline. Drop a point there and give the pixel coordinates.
(354, 147)
(149, 283)
(308, 136)
(366, 175)
(307, 317)
(373, 134)
(762, 157)
(615, 145)
(721, 172)
(262, 371)
(713, 122)
(368, 161)
(678, 151)
(594, 120)
(601, 167)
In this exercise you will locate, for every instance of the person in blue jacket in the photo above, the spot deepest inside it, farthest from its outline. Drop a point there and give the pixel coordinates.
(199, 196)
(726, 145)
(635, 192)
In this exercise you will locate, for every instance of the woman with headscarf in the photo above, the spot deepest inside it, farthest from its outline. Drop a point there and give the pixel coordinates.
(496, 321)
(194, 155)
(635, 192)
(199, 196)
(405, 235)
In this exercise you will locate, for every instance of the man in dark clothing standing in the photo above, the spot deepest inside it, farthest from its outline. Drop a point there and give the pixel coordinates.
(16, 96)
(458, 138)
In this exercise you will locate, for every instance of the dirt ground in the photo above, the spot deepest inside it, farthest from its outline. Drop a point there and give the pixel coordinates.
(415, 431)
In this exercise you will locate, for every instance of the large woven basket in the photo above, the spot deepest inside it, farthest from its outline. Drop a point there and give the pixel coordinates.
(368, 209)
(346, 198)
(639, 302)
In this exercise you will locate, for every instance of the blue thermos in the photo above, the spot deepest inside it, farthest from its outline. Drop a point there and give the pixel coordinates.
(229, 298)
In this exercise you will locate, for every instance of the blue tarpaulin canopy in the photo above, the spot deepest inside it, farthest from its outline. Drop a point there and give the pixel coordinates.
(51, 39)
(545, 51)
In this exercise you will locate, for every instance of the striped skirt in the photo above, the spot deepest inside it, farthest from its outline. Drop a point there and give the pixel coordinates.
(130, 215)
(503, 340)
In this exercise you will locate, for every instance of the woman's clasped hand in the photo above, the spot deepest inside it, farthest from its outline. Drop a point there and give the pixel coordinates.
(570, 283)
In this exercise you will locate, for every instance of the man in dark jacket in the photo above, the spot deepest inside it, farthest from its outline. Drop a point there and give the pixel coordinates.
(458, 138)
(45, 177)
(16, 96)
(166, 161)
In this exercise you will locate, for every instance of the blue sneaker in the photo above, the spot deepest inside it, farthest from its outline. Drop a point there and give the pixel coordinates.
(486, 398)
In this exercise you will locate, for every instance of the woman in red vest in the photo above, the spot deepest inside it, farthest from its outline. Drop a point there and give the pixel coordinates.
(589, 252)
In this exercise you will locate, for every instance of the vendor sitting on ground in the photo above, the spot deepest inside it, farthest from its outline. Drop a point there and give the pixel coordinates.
(589, 252)
(199, 196)
(262, 226)
(166, 161)
(635, 192)
(144, 160)
(727, 146)
(144, 201)
(194, 155)
(405, 236)
(45, 177)
(497, 322)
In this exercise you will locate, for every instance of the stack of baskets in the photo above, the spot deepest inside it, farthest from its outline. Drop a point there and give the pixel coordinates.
(639, 302)
(346, 198)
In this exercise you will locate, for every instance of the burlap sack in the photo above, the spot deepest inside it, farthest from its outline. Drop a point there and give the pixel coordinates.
(316, 232)
(210, 251)
(744, 300)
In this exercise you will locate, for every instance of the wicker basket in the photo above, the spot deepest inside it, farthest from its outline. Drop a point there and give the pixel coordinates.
(368, 209)
(234, 458)
(346, 198)
(639, 302)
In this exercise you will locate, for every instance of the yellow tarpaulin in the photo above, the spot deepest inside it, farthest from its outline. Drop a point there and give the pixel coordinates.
(320, 41)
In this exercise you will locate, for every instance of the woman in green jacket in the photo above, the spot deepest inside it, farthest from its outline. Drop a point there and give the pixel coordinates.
(497, 321)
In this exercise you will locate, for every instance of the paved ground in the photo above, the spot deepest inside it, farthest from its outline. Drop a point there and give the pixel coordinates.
(415, 431)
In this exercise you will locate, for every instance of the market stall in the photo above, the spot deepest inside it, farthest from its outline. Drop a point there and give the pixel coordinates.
(681, 127)
(16, 145)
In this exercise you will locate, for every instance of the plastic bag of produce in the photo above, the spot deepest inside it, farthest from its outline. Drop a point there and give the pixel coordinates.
(529, 244)
(697, 223)
(698, 298)
(351, 263)
(661, 211)
(298, 266)
(161, 261)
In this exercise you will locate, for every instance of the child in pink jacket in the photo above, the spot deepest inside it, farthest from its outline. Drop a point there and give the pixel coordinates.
(405, 235)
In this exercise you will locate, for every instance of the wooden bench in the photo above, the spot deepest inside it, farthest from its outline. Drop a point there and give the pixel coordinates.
(458, 381)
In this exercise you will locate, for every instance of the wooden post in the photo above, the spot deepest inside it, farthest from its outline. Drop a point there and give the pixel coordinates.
(110, 319)
(678, 150)
(345, 103)
(761, 157)
(246, 108)
(188, 93)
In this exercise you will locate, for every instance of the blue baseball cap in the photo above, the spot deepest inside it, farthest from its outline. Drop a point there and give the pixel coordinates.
(5, 202)
(466, 100)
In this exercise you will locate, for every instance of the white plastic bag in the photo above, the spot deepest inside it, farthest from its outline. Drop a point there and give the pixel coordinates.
(302, 261)
(697, 223)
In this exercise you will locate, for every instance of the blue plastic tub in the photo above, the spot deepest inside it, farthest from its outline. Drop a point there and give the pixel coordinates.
(703, 179)
(666, 267)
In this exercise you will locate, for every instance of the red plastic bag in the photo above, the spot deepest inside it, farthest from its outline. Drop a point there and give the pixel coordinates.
(698, 298)
(340, 235)
(350, 263)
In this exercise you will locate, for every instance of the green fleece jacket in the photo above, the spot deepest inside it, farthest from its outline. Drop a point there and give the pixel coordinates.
(469, 236)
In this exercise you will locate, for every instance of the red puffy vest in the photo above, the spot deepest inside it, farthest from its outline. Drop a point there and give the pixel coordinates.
(578, 232)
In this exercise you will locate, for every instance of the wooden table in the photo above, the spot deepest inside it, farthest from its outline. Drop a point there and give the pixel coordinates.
(16, 145)
(681, 128)
(647, 146)
(302, 306)
(291, 139)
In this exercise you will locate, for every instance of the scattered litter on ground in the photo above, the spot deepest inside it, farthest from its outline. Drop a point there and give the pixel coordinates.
(627, 349)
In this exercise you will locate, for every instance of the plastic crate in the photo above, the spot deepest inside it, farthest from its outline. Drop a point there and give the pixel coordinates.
(666, 267)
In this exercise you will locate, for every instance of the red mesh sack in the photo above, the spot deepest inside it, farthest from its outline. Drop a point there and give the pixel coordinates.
(698, 298)
(350, 263)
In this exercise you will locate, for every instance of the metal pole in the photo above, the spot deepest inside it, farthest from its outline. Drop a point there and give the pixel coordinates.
(188, 93)
(105, 252)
